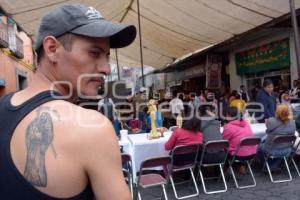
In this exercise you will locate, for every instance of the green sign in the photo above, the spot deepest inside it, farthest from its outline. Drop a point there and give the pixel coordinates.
(275, 55)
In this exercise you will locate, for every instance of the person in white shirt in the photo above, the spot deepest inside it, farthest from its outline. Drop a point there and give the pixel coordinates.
(176, 104)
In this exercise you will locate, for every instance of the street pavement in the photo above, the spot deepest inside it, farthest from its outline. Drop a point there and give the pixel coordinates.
(264, 190)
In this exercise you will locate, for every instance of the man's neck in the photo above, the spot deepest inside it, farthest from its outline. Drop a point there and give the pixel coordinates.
(43, 81)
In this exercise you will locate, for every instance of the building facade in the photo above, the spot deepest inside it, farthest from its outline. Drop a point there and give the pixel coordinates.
(16, 57)
(271, 56)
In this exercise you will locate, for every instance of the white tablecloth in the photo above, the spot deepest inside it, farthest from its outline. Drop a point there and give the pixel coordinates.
(141, 148)
(126, 146)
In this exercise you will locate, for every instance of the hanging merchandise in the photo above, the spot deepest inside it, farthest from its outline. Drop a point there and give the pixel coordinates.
(213, 71)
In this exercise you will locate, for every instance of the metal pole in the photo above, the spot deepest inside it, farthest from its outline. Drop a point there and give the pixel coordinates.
(141, 45)
(296, 34)
(118, 68)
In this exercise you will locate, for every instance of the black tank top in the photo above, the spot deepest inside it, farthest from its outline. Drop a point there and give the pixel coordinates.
(13, 186)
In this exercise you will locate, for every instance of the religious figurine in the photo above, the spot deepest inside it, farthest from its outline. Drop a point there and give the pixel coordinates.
(179, 121)
(152, 112)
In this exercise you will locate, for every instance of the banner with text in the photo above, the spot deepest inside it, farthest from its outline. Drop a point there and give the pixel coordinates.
(275, 55)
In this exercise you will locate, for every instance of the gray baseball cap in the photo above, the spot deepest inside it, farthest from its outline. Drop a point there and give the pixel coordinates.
(86, 21)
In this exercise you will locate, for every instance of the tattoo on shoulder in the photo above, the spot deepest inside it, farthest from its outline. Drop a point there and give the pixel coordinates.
(39, 136)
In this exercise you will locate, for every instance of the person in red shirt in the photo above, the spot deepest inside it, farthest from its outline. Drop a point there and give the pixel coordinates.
(190, 133)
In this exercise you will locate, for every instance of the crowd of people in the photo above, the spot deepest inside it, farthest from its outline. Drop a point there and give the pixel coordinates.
(51, 148)
(202, 115)
(196, 131)
(171, 110)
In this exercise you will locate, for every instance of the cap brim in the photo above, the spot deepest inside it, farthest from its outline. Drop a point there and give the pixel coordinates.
(121, 35)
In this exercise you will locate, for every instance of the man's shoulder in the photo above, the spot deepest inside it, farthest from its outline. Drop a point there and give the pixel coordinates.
(78, 116)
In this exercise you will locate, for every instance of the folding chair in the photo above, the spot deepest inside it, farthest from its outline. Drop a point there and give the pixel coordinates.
(188, 155)
(296, 153)
(217, 145)
(172, 128)
(127, 171)
(245, 142)
(281, 139)
(152, 179)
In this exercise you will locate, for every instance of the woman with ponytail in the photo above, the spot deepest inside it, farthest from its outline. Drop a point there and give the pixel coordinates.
(281, 124)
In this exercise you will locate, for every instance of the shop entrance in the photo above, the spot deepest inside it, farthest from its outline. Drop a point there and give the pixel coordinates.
(280, 78)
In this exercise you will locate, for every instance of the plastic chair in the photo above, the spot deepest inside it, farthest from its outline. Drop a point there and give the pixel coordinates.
(189, 153)
(281, 139)
(127, 171)
(172, 128)
(296, 152)
(245, 142)
(152, 179)
(217, 145)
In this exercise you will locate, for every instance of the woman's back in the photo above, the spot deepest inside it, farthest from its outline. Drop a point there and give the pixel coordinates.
(276, 127)
(183, 137)
(234, 131)
(211, 130)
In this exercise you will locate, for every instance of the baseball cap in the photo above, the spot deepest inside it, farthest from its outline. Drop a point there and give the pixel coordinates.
(86, 21)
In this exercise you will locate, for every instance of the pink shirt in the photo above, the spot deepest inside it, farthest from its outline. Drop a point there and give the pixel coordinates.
(183, 137)
(234, 131)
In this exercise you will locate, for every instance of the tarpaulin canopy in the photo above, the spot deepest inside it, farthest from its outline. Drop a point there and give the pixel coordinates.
(170, 29)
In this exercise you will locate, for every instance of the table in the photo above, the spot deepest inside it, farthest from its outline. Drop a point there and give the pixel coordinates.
(126, 146)
(143, 148)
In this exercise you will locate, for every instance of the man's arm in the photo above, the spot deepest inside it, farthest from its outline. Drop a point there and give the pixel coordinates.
(102, 161)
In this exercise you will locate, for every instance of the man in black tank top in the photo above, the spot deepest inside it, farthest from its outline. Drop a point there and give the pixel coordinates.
(51, 148)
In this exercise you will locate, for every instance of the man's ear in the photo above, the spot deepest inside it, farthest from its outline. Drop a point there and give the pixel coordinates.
(51, 45)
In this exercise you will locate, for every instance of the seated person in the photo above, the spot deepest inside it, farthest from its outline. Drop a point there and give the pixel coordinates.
(282, 124)
(236, 129)
(135, 126)
(189, 133)
(239, 103)
(210, 128)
